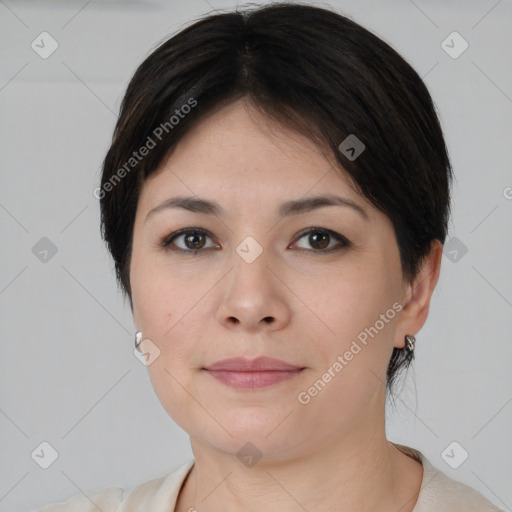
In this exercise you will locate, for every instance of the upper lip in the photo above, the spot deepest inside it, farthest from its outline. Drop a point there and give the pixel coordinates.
(260, 364)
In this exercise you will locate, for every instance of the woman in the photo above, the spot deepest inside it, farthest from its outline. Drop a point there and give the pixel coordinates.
(275, 199)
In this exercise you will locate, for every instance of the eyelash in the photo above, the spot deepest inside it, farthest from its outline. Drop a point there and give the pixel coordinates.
(167, 240)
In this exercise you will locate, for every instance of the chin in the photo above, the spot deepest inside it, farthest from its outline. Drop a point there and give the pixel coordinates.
(245, 429)
(253, 445)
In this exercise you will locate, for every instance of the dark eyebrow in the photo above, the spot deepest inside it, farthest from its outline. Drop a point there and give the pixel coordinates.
(312, 202)
(294, 207)
(191, 204)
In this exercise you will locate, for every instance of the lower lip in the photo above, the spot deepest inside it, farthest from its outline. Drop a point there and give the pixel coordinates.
(252, 380)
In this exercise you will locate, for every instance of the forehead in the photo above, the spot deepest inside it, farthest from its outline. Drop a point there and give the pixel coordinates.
(238, 151)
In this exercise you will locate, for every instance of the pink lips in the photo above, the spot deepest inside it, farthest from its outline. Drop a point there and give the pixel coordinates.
(258, 373)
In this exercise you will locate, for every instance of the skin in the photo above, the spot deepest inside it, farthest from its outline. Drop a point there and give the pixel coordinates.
(294, 302)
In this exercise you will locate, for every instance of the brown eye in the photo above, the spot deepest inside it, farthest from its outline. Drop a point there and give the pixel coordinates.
(190, 240)
(322, 240)
(194, 240)
(319, 240)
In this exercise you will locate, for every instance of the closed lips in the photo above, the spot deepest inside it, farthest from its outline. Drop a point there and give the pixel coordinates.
(260, 364)
(252, 375)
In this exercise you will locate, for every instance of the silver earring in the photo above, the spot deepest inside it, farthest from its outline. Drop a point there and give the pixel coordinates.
(138, 339)
(410, 340)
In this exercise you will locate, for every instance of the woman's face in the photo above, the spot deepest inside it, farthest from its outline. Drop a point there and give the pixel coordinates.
(266, 280)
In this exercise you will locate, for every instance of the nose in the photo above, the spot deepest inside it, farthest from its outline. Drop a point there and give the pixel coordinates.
(253, 298)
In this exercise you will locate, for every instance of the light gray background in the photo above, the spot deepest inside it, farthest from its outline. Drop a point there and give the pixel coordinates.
(68, 375)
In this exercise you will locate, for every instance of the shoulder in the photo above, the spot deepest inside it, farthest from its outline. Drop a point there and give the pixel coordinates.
(157, 494)
(441, 493)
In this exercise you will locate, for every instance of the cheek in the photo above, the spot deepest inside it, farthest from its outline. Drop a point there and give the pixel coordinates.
(155, 294)
(346, 303)
(164, 311)
(358, 311)
(168, 316)
(170, 309)
(160, 305)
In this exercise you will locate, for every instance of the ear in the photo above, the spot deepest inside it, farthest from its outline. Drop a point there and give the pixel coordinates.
(416, 295)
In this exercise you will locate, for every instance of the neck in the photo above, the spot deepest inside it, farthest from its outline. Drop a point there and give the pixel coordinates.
(362, 472)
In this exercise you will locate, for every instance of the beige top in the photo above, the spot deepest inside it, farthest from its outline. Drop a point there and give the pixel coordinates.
(438, 493)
